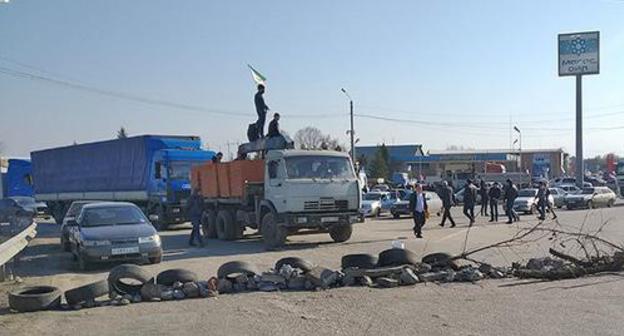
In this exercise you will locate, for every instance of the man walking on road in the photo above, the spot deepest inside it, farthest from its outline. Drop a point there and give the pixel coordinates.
(447, 196)
(195, 208)
(484, 192)
(511, 193)
(418, 206)
(470, 198)
(494, 195)
(261, 109)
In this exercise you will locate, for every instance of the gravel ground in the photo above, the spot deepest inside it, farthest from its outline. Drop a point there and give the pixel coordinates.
(585, 306)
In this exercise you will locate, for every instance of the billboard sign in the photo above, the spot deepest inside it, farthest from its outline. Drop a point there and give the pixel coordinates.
(579, 54)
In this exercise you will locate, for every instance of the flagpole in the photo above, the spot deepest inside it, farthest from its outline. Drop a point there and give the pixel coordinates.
(351, 132)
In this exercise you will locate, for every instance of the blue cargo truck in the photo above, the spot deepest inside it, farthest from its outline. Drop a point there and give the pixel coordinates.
(151, 171)
(17, 181)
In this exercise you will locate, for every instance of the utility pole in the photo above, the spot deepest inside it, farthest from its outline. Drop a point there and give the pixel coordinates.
(351, 131)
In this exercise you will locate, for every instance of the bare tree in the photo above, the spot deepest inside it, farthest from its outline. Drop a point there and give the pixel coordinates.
(313, 138)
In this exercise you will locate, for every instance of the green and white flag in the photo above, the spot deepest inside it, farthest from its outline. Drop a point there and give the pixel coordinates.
(257, 77)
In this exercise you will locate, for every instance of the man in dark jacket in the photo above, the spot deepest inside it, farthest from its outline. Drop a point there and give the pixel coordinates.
(494, 195)
(261, 109)
(542, 200)
(274, 126)
(484, 191)
(418, 206)
(511, 193)
(470, 199)
(195, 209)
(448, 200)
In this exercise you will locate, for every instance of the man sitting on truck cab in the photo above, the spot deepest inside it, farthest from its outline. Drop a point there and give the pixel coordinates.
(274, 126)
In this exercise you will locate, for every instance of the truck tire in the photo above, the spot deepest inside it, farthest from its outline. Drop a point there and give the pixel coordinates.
(341, 233)
(273, 234)
(171, 276)
(161, 224)
(29, 299)
(397, 257)
(294, 262)
(209, 224)
(118, 274)
(362, 260)
(440, 260)
(226, 226)
(233, 268)
(86, 293)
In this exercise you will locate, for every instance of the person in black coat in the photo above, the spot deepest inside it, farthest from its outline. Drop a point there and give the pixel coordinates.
(274, 126)
(511, 193)
(448, 200)
(195, 209)
(261, 109)
(494, 195)
(470, 199)
(484, 192)
(418, 206)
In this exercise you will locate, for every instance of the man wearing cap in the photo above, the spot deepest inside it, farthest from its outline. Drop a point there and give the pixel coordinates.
(261, 109)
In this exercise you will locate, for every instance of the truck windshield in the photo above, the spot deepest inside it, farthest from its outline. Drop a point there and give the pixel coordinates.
(122, 215)
(179, 170)
(299, 167)
(620, 168)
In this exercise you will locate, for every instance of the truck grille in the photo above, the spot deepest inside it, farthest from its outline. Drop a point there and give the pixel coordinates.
(326, 204)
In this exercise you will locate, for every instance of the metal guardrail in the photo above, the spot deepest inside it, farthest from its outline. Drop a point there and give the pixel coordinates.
(10, 248)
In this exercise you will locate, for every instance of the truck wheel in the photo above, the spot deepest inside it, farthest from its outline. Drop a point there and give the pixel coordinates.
(273, 234)
(226, 228)
(161, 224)
(209, 224)
(341, 233)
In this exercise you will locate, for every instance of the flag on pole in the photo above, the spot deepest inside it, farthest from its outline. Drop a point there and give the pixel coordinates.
(257, 77)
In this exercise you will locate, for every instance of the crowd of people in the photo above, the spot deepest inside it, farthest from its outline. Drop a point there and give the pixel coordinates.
(491, 197)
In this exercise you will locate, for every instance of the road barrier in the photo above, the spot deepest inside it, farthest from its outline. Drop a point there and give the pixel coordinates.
(12, 247)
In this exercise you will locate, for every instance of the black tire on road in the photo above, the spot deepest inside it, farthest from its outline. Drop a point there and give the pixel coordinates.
(127, 271)
(170, 276)
(87, 292)
(295, 262)
(29, 299)
(273, 234)
(396, 257)
(442, 260)
(341, 233)
(234, 268)
(226, 226)
(209, 224)
(361, 260)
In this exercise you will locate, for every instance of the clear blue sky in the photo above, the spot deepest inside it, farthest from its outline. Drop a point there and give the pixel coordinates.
(466, 66)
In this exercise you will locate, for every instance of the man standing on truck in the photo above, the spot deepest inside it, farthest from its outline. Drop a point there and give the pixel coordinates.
(261, 109)
(195, 208)
(274, 126)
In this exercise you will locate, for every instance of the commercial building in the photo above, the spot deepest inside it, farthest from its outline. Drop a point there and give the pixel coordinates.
(434, 163)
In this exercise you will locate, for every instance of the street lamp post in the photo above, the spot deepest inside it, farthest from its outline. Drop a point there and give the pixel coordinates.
(519, 145)
(351, 132)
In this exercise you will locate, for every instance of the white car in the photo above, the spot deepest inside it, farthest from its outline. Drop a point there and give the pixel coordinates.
(526, 201)
(371, 203)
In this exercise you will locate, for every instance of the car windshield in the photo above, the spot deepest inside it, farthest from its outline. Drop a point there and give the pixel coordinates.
(179, 170)
(116, 215)
(527, 193)
(588, 191)
(75, 208)
(372, 197)
(298, 167)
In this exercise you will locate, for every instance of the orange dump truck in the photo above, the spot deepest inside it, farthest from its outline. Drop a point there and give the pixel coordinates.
(286, 192)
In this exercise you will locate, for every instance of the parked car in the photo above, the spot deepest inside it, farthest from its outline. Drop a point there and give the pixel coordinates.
(570, 189)
(558, 195)
(380, 187)
(371, 203)
(40, 209)
(459, 196)
(112, 231)
(526, 201)
(401, 207)
(72, 213)
(392, 197)
(591, 197)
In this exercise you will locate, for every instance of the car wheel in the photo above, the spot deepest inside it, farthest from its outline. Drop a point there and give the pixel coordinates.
(294, 262)
(87, 292)
(365, 261)
(611, 203)
(171, 276)
(396, 216)
(533, 209)
(590, 204)
(378, 212)
(29, 299)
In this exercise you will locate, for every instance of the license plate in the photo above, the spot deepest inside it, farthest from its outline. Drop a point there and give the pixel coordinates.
(125, 250)
(5, 224)
(176, 210)
(329, 219)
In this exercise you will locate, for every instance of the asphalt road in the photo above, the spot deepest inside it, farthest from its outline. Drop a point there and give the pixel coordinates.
(585, 306)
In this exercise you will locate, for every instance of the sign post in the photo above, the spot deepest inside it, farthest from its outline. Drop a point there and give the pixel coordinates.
(579, 54)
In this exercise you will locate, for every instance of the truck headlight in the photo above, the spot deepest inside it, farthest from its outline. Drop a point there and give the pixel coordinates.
(96, 242)
(151, 239)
